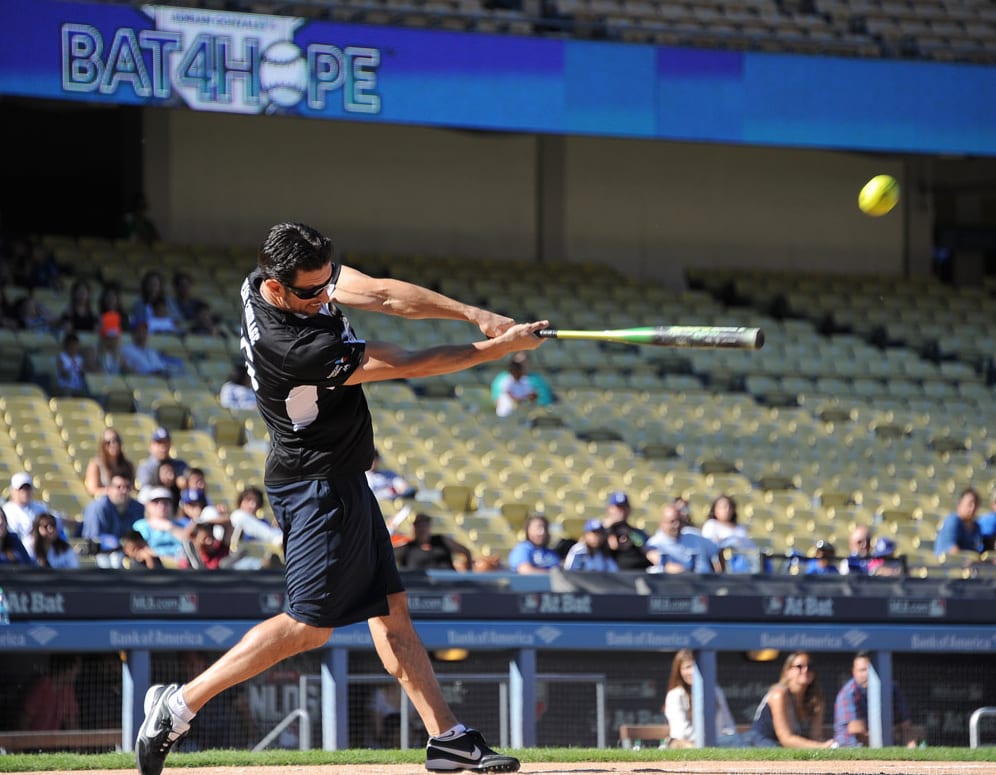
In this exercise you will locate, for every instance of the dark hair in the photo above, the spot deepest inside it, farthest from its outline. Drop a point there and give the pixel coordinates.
(134, 537)
(971, 491)
(59, 544)
(249, 491)
(145, 291)
(290, 247)
(119, 466)
(812, 700)
(733, 508)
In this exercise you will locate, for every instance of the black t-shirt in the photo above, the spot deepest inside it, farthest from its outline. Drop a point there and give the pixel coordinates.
(318, 426)
(412, 556)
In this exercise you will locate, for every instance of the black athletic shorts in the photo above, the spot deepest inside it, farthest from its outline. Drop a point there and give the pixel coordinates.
(339, 560)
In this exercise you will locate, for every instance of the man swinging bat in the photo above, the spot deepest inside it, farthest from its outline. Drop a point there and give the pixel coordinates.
(307, 368)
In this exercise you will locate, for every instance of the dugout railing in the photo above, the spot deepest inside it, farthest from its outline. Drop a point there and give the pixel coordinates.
(524, 642)
(520, 631)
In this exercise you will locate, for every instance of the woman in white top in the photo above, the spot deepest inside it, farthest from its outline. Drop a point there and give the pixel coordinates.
(678, 706)
(721, 525)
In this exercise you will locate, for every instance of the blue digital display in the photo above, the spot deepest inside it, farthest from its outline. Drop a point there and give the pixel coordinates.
(256, 64)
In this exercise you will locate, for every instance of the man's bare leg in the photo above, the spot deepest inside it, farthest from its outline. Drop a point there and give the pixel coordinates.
(451, 747)
(404, 656)
(170, 709)
(266, 644)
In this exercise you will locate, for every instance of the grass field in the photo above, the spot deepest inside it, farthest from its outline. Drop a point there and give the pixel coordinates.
(60, 762)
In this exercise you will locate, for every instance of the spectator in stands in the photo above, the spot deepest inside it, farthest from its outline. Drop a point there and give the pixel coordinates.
(236, 391)
(487, 563)
(790, 714)
(110, 516)
(591, 552)
(960, 532)
(678, 551)
(138, 358)
(196, 485)
(109, 460)
(534, 555)
(884, 561)
(184, 305)
(387, 484)
(859, 544)
(209, 552)
(542, 389)
(678, 707)
(194, 507)
(108, 358)
(110, 301)
(32, 315)
(79, 314)
(166, 474)
(738, 553)
(151, 290)
(12, 551)
(70, 373)
(139, 553)
(824, 560)
(248, 524)
(165, 532)
(850, 709)
(159, 452)
(987, 525)
(626, 542)
(47, 547)
(136, 225)
(50, 703)
(514, 389)
(721, 524)
(428, 550)
(22, 508)
(205, 323)
(41, 270)
(161, 321)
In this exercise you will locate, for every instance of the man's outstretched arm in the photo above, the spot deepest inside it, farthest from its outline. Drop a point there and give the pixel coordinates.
(397, 297)
(382, 361)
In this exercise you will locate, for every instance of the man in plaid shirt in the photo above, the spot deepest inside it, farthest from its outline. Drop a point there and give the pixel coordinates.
(850, 710)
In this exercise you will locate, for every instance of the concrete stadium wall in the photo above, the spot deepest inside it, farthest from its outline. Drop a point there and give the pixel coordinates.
(649, 208)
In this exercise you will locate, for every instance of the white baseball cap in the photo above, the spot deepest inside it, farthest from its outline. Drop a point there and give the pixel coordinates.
(21, 479)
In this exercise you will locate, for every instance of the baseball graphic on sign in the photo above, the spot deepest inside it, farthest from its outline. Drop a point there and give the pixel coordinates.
(283, 73)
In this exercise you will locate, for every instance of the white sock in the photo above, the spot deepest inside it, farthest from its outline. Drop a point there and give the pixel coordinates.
(178, 707)
(454, 731)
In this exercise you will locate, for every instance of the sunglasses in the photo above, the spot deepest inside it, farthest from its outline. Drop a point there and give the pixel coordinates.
(801, 667)
(315, 290)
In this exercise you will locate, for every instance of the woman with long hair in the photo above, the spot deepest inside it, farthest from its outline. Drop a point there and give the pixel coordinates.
(49, 549)
(79, 314)
(678, 706)
(790, 715)
(109, 461)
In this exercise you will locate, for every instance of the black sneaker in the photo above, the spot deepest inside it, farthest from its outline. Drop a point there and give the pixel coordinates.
(159, 732)
(466, 751)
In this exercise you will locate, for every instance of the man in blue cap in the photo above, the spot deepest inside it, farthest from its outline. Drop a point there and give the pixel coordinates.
(627, 544)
